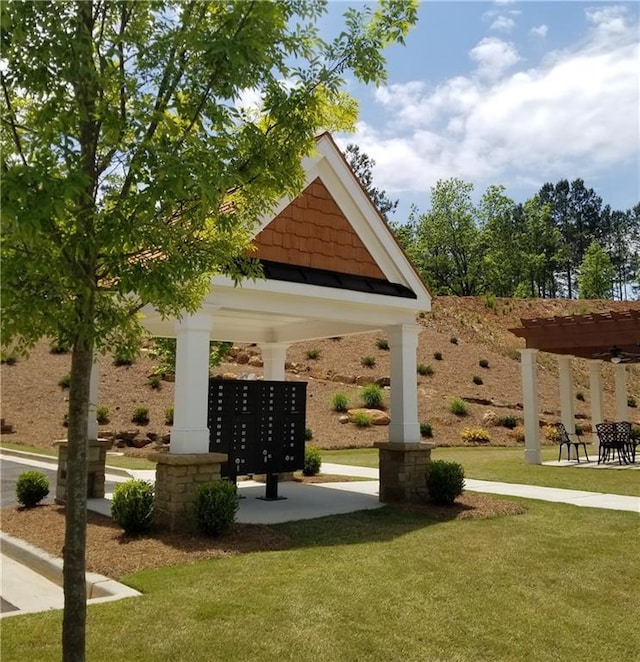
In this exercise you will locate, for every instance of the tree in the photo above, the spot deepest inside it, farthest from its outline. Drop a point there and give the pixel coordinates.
(595, 278)
(132, 172)
(362, 166)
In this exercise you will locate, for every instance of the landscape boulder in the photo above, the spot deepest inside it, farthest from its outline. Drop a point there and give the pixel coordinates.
(377, 417)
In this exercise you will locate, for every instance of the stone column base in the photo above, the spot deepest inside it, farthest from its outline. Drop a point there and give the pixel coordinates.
(177, 476)
(96, 461)
(402, 471)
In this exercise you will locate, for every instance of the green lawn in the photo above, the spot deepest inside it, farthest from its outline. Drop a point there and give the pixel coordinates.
(507, 465)
(557, 583)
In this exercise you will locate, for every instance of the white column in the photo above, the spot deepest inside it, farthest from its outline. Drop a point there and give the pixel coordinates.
(567, 410)
(403, 344)
(620, 374)
(92, 421)
(274, 356)
(529, 369)
(595, 393)
(190, 433)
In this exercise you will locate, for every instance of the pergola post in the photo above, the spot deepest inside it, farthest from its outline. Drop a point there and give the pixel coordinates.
(567, 412)
(595, 392)
(274, 356)
(529, 368)
(620, 375)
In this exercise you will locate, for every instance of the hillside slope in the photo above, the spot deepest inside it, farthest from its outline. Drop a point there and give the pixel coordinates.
(34, 404)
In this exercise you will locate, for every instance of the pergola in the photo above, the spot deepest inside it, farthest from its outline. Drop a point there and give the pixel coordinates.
(597, 337)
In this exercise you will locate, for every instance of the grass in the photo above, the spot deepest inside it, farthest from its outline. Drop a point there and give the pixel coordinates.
(381, 585)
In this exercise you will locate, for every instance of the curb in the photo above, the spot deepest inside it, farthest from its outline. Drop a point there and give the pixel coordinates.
(99, 587)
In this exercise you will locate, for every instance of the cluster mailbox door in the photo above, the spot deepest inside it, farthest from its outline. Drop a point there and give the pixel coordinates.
(260, 425)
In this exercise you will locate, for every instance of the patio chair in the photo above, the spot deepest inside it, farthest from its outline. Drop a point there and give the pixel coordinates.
(569, 440)
(615, 438)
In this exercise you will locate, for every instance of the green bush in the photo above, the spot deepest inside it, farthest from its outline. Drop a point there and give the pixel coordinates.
(102, 414)
(426, 431)
(124, 355)
(458, 407)
(140, 415)
(155, 382)
(308, 434)
(631, 402)
(64, 381)
(132, 505)
(490, 301)
(214, 506)
(31, 488)
(382, 343)
(445, 481)
(313, 354)
(168, 416)
(339, 401)
(477, 380)
(483, 363)
(312, 461)
(371, 396)
(368, 361)
(425, 370)
(437, 356)
(508, 422)
(361, 419)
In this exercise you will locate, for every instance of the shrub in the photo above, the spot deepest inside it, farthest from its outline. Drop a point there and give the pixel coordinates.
(132, 505)
(140, 415)
(477, 380)
(168, 416)
(437, 356)
(8, 358)
(580, 396)
(59, 346)
(155, 382)
(312, 461)
(361, 419)
(339, 401)
(579, 430)
(631, 402)
(368, 361)
(458, 407)
(425, 370)
(308, 434)
(475, 435)
(64, 381)
(551, 433)
(508, 422)
(124, 356)
(445, 481)
(102, 414)
(490, 301)
(371, 396)
(517, 433)
(214, 505)
(483, 363)
(382, 343)
(453, 340)
(426, 431)
(31, 488)
(313, 354)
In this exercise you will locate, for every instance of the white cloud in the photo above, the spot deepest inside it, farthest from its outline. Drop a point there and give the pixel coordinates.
(539, 31)
(574, 114)
(503, 24)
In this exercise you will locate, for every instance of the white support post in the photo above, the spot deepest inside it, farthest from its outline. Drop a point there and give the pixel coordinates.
(620, 374)
(567, 411)
(529, 369)
(403, 343)
(595, 392)
(92, 421)
(274, 356)
(190, 433)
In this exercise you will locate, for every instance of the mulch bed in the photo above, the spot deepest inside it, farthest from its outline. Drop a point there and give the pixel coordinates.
(467, 506)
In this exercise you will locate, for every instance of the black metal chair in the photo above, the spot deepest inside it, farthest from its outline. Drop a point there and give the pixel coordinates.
(569, 440)
(615, 438)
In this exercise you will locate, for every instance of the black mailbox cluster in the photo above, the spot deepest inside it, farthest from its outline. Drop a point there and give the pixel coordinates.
(259, 424)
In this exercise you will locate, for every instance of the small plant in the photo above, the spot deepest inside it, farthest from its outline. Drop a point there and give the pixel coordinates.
(551, 433)
(339, 401)
(64, 381)
(382, 343)
(445, 481)
(509, 422)
(313, 354)
(132, 505)
(215, 504)
(31, 488)
(579, 430)
(8, 358)
(490, 301)
(483, 363)
(517, 433)
(580, 396)
(308, 434)
(477, 380)
(368, 361)
(426, 431)
(102, 414)
(631, 402)
(123, 356)
(155, 382)
(453, 340)
(458, 407)
(140, 415)
(312, 461)
(371, 396)
(59, 346)
(425, 370)
(168, 416)
(437, 356)
(361, 419)
(475, 436)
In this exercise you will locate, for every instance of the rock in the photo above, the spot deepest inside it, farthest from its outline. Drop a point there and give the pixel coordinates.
(169, 377)
(377, 417)
(229, 375)
(490, 418)
(140, 442)
(152, 436)
(344, 379)
(165, 438)
(343, 418)
(317, 373)
(242, 357)
(127, 435)
(363, 380)
(256, 361)
(383, 381)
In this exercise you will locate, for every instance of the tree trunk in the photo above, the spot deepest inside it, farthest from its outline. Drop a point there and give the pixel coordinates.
(75, 595)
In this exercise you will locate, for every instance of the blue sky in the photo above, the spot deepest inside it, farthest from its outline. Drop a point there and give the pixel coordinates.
(511, 93)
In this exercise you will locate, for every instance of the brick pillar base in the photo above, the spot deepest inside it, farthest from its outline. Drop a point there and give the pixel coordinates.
(402, 471)
(96, 461)
(177, 476)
